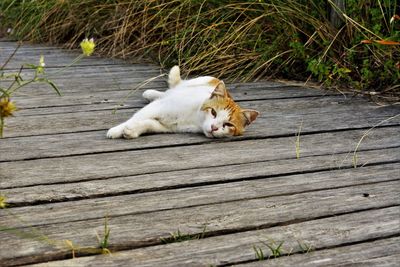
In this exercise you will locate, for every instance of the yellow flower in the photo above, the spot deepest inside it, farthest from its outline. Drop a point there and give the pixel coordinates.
(3, 203)
(88, 46)
(6, 107)
(40, 68)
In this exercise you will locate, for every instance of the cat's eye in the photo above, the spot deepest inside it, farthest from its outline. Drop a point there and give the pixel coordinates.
(227, 124)
(213, 112)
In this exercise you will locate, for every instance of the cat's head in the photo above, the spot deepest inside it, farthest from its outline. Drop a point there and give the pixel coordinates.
(224, 117)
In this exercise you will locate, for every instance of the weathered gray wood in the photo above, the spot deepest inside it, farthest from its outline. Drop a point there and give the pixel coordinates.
(90, 142)
(53, 57)
(47, 104)
(328, 232)
(111, 101)
(115, 164)
(376, 253)
(196, 196)
(198, 177)
(307, 110)
(158, 184)
(92, 80)
(384, 252)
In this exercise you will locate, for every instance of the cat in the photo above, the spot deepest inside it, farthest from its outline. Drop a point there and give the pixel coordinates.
(199, 105)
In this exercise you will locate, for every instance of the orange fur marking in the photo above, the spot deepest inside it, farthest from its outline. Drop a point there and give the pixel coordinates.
(214, 82)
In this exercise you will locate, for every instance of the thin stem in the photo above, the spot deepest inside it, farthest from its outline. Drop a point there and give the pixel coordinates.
(22, 85)
(355, 157)
(18, 75)
(11, 56)
(78, 58)
(1, 126)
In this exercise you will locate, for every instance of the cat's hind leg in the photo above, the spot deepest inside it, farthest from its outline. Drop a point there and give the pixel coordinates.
(136, 128)
(152, 95)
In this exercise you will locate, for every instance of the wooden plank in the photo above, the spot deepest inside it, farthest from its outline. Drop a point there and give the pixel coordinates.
(95, 142)
(284, 114)
(374, 253)
(76, 74)
(384, 252)
(290, 168)
(94, 208)
(124, 77)
(92, 80)
(54, 57)
(116, 164)
(147, 229)
(110, 99)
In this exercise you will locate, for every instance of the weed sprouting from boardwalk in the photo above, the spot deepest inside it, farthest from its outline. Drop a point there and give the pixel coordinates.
(275, 250)
(178, 236)
(103, 242)
(259, 253)
(298, 140)
(304, 247)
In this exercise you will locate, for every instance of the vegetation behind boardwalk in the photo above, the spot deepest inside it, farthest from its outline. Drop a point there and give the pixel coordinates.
(237, 40)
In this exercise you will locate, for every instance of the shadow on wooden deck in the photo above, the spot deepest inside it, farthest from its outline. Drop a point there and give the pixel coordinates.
(62, 177)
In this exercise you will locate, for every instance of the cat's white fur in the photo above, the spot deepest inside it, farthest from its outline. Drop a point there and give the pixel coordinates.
(176, 110)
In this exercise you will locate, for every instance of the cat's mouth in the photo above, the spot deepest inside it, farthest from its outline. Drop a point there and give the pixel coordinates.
(210, 135)
(213, 134)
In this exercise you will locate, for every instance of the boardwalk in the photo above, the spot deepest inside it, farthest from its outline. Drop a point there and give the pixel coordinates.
(224, 199)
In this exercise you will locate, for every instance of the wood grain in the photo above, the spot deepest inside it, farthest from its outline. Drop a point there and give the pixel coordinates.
(384, 252)
(61, 177)
(234, 248)
(303, 167)
(157, 160)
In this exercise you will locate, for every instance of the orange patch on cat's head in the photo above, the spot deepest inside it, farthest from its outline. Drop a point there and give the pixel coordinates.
(221, 100)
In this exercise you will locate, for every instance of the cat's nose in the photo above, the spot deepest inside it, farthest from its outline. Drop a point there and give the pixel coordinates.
(214, 128)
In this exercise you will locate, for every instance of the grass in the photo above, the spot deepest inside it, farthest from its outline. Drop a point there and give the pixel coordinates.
(234, 40)
(366, 133)
(276, 250)
(298, 140)
(259, 253)
(178, 236)
(304, 247)
(104, 242)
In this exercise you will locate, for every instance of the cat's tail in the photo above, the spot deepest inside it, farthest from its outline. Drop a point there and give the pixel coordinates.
(174, 77)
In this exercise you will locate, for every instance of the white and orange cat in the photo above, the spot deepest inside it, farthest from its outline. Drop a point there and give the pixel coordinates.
(200, 105)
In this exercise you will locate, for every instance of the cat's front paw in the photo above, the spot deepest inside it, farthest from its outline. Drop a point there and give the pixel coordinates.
(115, 132)
(130, 133)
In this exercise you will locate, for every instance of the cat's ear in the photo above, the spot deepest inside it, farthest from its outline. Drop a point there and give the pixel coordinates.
(249, 115)
(220, 90)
